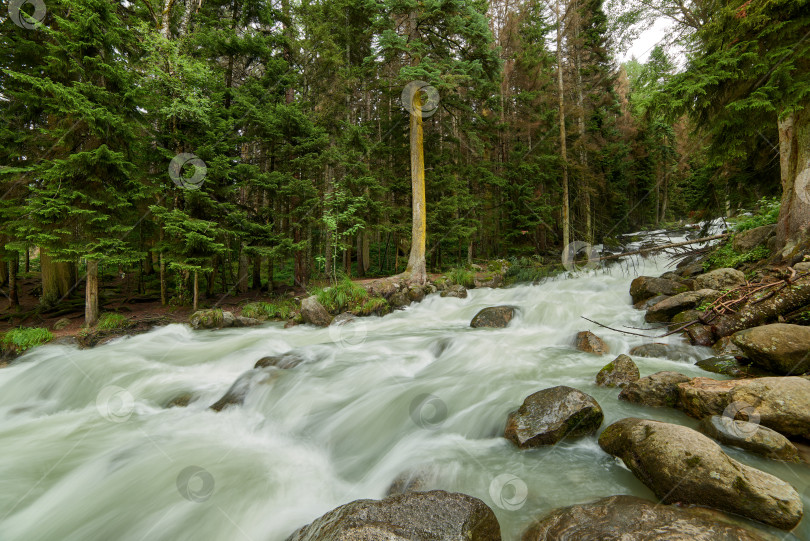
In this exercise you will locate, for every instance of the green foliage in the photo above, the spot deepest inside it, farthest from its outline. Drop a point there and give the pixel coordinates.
(374, 305)
(526, 269)
(281, 309)
(462, 277)
(109, 321)
(727, 257)
(22, 339)
(767, 213)
(340, 296)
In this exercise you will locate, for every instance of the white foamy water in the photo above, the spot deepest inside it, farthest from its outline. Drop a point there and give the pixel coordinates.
(90, 453)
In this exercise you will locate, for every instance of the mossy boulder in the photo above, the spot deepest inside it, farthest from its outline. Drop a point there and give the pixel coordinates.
(618, 373)
(657, 390)
(749, 436)
(646, 287)
(780, 348)
(590, 343)
(497, 317)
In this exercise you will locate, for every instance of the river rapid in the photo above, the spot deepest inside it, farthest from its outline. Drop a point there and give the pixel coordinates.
(91, 453)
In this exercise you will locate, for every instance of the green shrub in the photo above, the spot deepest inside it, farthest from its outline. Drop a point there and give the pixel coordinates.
(110, 321)
(727, 257)
(526, 269)
(462, 277)
(767, 213)
(19, 340)
(269, 310)
(340, 296)
(374, 305)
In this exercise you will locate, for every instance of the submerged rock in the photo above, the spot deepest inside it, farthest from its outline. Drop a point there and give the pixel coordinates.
(749, 436)
(236, 394)
(657, 390)
(780, 348)
(496, 317)
(590, 343)
(455, 291)
(413, 516)
(180, 401)
(550, 415)
(618, 373)
(314, 313)
(285, 360)
(682, 465)
(627, 518)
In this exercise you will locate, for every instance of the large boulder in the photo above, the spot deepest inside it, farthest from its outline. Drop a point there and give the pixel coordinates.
(644, 305)
(456, 291)
(665, 310)
(645, 287)
(413, 516)
(780, 403)
(720, 279)
(590, 343)
(618, 373)
(212, 318)
(729, 366)
(550, 415)
(495, 316)
(749, 436)
(700, 335)
(780, 348)
(657, 390)
(627, 518)
(682, 465)
(314, 313)
(724, 346)
(748, 240)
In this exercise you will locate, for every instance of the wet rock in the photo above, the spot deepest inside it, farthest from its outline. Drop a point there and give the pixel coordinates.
(646, 287)
(691, 269)
(686, 316)
(417, 480)
(700, 335)
(657, 390)
(780, 347)
(644, 305)
(550, 415)
(399, 300)
(590, 343)
(665, 310)
(781, 403)
(720, 279)
(748, 240)
(213, 318)
(343, 318)
(414, 516)
(488, 280)
(496, 317)
(228, 319)
(242, 321)
(729, 366)
(627, 518)
(657, 349)
(618, 373)
(749, 436)
(383, 288)
(61, 324)
(283, 361)
(682, 465)
(456, 291)
(290, 323)
(725, 346)
(236, 394)
(314, 313)
(180, 401)
(416, 294)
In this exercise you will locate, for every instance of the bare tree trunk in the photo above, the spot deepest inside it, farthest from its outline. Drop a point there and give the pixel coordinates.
(563, 150)
(257, 272)
(91, 294)
(417, 268)
(3, 273)
(13, 269)
(242, 272)
(794, 155)
(162, 271)
(58, 278)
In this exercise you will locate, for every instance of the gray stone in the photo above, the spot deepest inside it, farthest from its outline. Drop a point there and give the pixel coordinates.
(314, 313)
(455, 291)
(720, 279)
(645, 287)
(779, 347)
(657, 390)
(618, 373)
(496, 317)
(590, 343)
(665, 310)
(748, 240)
(749, 436)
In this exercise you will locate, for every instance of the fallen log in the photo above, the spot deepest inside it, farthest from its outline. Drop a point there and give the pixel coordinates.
(759, 312)
(644, 251)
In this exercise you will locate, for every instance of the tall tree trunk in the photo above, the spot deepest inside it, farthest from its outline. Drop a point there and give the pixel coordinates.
(3, 273)
(583, 153)
(162, 271)
(242, 272)
(794, 156)
(196, 290)
(13, 269)
(91, 294)
(563, 149)
(28, 259)
(58, 278)
(416, 262)
(257, 272)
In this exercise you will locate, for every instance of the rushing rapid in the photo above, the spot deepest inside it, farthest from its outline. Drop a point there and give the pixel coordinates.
(90, 452)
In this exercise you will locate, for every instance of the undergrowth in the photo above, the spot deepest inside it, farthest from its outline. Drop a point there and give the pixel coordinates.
(461, 276)
(21, 339)
(767, 213)
(341, 296)
(727, 257)
(110, 321)
(281, 309)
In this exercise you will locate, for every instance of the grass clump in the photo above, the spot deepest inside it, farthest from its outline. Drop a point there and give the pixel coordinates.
(110, 321)
(767, 213)
(461, 276)
(21, 339)
(374, 305)
(341, 296)
(281, 309)
(727, 257)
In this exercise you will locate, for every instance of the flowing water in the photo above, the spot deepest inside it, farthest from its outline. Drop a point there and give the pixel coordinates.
(90, 453)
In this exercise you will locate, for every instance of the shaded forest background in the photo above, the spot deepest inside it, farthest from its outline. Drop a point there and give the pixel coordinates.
(301, 166)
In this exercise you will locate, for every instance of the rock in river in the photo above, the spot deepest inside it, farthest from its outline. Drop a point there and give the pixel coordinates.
(780, 348)
(550, 415)
(618, 373)
(455, 291)
(590, 343)
(495, 316)
(627, 518)
(749, 436)
(645, 287)
(314, 313)
(682, 465)
(668, 308)
(413, 516)
(657, 390)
